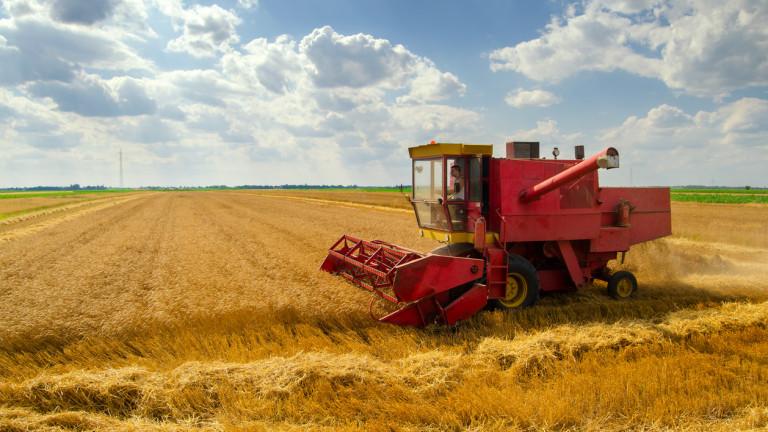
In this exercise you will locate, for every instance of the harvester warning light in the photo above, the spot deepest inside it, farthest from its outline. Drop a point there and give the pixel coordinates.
(432, 142)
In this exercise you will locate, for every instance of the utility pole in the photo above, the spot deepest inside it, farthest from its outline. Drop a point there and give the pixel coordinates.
(121, 168)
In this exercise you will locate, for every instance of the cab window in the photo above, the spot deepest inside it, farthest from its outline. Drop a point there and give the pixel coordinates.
(427, 179)
(475, 179)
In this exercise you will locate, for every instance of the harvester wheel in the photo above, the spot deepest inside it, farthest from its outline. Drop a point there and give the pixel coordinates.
(522, 289)
(622, 284)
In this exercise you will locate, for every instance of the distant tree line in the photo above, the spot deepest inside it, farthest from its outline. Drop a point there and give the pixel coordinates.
(77, 187)
(285, 186)
(714, 187)
(71, 187)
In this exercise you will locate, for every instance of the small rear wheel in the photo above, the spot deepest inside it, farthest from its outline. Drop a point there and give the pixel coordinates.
(522, 288)
(622, 284)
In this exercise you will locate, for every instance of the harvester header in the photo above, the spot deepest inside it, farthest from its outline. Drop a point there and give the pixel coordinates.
(514, 228)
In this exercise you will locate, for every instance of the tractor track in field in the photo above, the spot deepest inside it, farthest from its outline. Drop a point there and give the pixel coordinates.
(335, 202)
(113, 268)
(29, 256)
(81, 237)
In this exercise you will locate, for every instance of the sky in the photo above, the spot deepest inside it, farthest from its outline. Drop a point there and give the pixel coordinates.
(335, 91)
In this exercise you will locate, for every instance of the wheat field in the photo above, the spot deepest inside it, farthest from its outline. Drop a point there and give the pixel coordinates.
(206, 311)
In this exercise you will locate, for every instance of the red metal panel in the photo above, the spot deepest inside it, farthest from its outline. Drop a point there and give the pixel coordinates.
(650, 217)
(417, 314)
(544, 219)
(554, 280)
(496, 272)
(571, 262)
(545, 227)
(607, 158)
(434, 274)
(611, 239)
(467, 305)
(429, 310)
(494, 197)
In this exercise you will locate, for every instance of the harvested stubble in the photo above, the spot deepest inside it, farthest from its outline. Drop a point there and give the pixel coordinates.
(206, 310)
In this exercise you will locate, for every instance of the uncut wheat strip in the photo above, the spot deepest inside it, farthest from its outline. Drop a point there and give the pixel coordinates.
(19, 419)
(195, 387)
(69, 205)
(186, 388)
(90, 206)
(570, 341)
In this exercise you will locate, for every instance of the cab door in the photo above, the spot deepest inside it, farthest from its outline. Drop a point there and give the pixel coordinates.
(428, 197)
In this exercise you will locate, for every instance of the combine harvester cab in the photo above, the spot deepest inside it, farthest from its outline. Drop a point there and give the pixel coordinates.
(514, 228)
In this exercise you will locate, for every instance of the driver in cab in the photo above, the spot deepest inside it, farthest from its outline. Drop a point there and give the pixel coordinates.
(457, 184)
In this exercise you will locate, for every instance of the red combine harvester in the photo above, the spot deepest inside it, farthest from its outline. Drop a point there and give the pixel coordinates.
(515, 227)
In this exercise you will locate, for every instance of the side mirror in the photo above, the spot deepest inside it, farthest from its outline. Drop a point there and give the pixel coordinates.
(440, 201)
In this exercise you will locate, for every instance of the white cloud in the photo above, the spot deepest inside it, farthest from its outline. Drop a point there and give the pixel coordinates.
(276, 66)
(206, 31)
(19, 8)
(357, 60)
(739, 124)
(431, 120)
(248, 4)
(538, 98)
(35, 49)
(91, 96)
(80, 12)
(123, 19)
(431, 85)
(745, 117)
(269, 111)
(669, 146)
(148, 130)
(548, 133)
(700, 47)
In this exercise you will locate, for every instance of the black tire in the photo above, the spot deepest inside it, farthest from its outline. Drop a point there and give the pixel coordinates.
(622, 284)
(521, 274)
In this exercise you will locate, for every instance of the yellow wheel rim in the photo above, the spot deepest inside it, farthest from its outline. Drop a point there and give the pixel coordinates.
(516, 291)
(624, 288)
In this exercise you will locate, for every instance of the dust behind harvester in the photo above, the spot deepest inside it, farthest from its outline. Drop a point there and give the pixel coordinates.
(514, 228)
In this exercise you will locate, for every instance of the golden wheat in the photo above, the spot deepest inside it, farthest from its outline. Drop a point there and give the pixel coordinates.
(185, 311)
